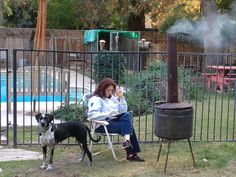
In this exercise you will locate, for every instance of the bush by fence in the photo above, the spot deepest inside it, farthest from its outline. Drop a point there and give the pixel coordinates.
(148, 86)
(109, 65)
(75, 112)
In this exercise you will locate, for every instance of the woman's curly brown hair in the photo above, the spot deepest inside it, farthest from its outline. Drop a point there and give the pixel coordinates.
(100, 90)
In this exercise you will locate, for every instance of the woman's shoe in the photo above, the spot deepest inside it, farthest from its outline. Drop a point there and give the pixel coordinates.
(136, 158)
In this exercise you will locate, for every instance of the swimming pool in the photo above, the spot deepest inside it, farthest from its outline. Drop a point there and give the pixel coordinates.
(73, 96)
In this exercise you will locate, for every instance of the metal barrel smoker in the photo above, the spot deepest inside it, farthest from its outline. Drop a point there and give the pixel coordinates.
(173, 119)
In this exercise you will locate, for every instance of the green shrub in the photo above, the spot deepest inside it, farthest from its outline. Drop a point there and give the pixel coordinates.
(110, 65)
(74, 112)
(146, 87)
(135, 103)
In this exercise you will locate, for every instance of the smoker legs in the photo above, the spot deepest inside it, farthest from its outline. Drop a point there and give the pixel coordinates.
(159, 153)
(191, 151)
(168, 150)
(167, 154)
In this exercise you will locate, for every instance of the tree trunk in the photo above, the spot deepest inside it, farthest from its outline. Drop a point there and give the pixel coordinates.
(136, 22)
(209, 13)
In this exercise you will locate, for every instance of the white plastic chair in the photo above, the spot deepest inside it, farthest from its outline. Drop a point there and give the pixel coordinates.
(108, 136)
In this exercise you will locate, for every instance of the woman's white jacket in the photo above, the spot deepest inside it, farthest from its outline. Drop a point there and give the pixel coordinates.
(101, 108)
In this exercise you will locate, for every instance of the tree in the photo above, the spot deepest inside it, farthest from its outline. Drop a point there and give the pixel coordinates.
(19, 13)
(165, 13)
(120, 14)
(99, 15)
(62, 14)
(224, 5)
(136, 20)
(4, 7)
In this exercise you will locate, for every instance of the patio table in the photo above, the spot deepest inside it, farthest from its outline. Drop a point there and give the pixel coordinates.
(220, 76)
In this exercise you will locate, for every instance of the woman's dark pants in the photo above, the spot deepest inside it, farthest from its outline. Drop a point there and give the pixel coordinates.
(123, 126)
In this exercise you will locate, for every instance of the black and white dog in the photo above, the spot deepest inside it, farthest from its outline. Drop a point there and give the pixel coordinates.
(51, 134)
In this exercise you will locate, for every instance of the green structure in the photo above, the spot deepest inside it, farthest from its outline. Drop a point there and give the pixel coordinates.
(115, 40)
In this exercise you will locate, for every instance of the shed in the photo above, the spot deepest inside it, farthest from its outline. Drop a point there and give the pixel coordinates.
(115, 40)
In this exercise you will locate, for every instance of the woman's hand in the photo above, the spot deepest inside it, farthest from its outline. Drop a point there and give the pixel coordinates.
(119, 93)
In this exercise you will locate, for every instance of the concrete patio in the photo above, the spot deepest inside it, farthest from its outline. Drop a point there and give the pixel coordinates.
(9, 154)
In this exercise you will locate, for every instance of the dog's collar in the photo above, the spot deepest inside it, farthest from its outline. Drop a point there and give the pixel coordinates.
(51, 126)
(46, 128)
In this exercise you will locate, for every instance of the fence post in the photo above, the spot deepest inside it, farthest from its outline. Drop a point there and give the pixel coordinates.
(14, 101)
(8, 86)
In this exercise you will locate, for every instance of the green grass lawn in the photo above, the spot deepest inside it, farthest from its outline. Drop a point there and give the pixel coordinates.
(215, 118)
(212, 160)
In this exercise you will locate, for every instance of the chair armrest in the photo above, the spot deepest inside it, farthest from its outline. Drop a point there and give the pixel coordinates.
(101, 122)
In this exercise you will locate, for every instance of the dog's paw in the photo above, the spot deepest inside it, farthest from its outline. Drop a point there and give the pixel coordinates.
(80, 158)
(49, 167)
(44, 166)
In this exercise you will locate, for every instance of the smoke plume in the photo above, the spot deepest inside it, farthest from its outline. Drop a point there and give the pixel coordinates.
(219, 30)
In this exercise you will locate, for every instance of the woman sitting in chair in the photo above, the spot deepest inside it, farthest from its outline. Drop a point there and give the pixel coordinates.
(108, 103)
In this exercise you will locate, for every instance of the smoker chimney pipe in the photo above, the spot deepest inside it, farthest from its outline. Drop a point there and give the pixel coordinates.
(172, 88)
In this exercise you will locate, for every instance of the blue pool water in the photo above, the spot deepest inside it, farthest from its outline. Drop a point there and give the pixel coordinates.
(41, 98)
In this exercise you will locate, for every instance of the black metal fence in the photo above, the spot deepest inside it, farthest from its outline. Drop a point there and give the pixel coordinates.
(43, 81)
(4, 102)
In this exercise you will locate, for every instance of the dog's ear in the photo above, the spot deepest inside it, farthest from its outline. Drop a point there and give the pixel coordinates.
(50, 117)
(37, 116)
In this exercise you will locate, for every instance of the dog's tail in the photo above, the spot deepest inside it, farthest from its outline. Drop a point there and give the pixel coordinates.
(99, 138)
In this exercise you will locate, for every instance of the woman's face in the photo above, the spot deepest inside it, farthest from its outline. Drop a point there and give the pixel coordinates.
(109, 91)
